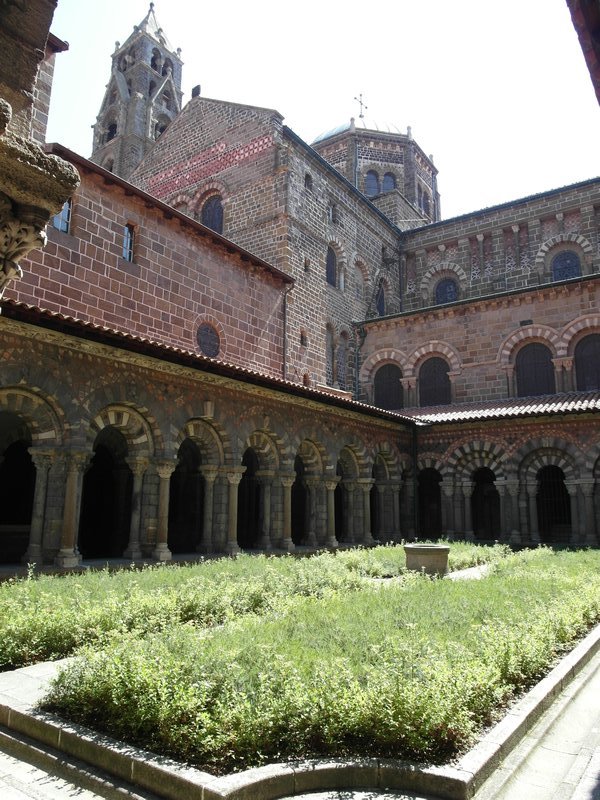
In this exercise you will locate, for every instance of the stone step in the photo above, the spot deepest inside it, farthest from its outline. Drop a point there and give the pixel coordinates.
(29, 769)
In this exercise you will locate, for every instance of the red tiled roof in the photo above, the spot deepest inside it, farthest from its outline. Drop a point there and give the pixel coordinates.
(570, 402)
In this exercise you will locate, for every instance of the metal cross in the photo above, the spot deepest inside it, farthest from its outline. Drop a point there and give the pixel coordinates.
(363, 107)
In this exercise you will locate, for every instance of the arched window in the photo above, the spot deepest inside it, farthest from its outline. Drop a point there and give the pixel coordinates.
(380, 300)
(434, 383)
(387, 387)
(331, 267)
(161, 126)
(446, 291)
(389, 182)
(371, 183)
(420, 197)
(534, 370)
(426, 204)
(342, 362)
(308, 182)
(151, 88)
(565, 265)
(329, 356)
(587, 363)
(212, 213)
(167, 67)
(111, 131)
(155, 60)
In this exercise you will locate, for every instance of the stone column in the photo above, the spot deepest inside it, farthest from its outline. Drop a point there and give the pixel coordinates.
(349, 488)
(534, 533)
(448, 520)
(511, 388)
(206, 545)
(381, 534)
(330, 485)
(397, 530)
(138, 467)
(310, 537)
(68, 556)
(233, 479)
(365, 485)
(164, 469)
(265, 480)
(589, 518)
(409, 489)
(467, 490)
(572, 487)
(287, 481)
(42, 460)
(513, 525)
(504, 527)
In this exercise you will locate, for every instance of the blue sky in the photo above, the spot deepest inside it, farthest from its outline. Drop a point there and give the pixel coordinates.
(498, 93)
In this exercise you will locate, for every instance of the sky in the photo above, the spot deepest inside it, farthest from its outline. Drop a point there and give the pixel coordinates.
(497, 92)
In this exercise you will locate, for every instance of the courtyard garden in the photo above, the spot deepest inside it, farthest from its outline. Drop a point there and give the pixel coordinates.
(234, 663)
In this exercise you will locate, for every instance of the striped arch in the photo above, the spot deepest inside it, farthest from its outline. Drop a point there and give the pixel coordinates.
(550, 451)
(130, 422)
(432, 461)
(44, 420)
(578, 328)
(529, 334)
(389, 355)
(394, 466)
(314, 457)
(356, 450)
(210, 442)
(562, 238)
(204, 192)
(181, 199)
(439, 271)
(433, 348)
(265, 448)
(350, 467)
(465, 459)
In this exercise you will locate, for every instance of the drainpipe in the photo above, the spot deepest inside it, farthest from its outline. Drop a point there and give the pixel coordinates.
(359, 334)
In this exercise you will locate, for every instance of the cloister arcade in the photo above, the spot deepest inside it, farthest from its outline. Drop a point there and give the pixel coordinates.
(118, 485)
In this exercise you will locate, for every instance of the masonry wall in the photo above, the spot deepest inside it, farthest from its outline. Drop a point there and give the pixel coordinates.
(502, 249)
(479, 340)
(178, 279)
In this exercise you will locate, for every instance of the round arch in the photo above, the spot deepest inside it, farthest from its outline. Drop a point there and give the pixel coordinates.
(551, 246)
(468, 457)
(130, 422)
(528, 334)
(436, 273)
(43, 418)
(433, 348)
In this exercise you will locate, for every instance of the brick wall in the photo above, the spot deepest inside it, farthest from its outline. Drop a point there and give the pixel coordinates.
(177, 279)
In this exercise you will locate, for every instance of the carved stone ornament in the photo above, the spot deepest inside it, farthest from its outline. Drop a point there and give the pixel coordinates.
(33, 186)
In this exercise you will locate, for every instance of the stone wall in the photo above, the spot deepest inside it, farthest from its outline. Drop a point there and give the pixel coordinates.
(178, 279)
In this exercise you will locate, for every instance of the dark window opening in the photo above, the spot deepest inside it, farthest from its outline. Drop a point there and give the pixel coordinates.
(209, 341)
(565, 265)
(371, 183)
(446, 291)
(434, 383)
(534, 371)
(485, 505)
(587, 363)
(111, 131)
(389, 182)
(430, 503)
(387, 387)
(553, 505)
(331, 267)
(212, 214)
(329, 357)
(380, 301)
(308, 182)
(186, 500)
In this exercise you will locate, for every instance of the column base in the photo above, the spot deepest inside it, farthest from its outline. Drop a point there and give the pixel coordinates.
(368, 541)
(288, 545)
(204, 548)
(161, 553)
(232, 549)
(33, 555)
(133, 553)
(67, 559)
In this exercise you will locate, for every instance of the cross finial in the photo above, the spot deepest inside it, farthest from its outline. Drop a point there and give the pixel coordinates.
(363, 107)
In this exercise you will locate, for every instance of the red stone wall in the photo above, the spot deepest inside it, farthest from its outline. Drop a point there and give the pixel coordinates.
(177, 279)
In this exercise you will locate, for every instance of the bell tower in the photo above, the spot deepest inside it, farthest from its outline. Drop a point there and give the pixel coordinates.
(142, 97)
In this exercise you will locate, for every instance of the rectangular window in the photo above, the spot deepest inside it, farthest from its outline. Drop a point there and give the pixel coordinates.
(128, 242)
(62, 220)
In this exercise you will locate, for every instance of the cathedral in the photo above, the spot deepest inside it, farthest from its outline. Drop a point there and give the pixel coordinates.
(237, 340)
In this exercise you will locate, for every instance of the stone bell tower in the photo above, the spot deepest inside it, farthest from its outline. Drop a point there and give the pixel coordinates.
(142, 97)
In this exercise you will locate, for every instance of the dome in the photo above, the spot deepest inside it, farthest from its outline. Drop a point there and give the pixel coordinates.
(362, 123)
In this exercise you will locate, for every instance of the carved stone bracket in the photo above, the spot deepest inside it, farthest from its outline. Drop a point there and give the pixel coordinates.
(33, 186)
